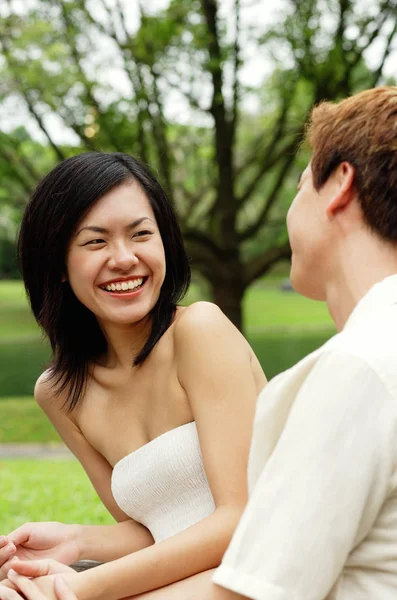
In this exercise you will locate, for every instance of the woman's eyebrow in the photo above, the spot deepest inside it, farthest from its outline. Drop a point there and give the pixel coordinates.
(96, 229)
(138, 222)
(93, 228)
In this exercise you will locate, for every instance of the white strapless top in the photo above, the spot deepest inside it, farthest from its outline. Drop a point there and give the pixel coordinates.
(163, 484)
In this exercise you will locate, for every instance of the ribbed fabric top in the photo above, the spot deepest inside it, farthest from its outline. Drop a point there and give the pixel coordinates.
(163, 484)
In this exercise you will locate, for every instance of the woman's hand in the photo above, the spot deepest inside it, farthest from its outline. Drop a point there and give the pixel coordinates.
(32, 591)
(39, 568)
(36, 580)
(7, 551)
(35, 541)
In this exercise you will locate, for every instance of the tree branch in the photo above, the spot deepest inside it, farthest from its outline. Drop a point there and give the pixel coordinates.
(130, 69)
(88, 85)
(5, 45)
(226, 203)
(269, 155)
(205, 242)
(262, 264)
(218, 108)
(157, 116)
(254, 227)
(344, 6)
(379, 70)
(25, 94)
(236, 69)
(268, 162)
(385, 12)
(13, 164)
(194, 103)
(29, 167)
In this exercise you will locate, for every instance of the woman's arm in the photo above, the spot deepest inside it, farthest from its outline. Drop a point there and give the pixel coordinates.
(197, 587)
(69, 543)
(31, 591)
(105, 542)
(214, 368)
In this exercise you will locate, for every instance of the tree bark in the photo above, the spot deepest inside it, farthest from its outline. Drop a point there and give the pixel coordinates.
(228, 292)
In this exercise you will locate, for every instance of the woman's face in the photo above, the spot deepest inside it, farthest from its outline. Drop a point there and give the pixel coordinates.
(115, 260)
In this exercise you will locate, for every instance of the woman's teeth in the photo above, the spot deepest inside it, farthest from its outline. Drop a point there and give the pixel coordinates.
(124, 286)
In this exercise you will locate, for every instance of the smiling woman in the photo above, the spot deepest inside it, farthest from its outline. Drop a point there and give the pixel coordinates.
(147, 394)
(119, 275)
(80, 190)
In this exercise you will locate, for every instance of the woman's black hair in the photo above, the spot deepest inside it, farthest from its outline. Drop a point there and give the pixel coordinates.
(57, 205)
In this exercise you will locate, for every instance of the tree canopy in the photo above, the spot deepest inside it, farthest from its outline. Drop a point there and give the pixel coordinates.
(115, 81)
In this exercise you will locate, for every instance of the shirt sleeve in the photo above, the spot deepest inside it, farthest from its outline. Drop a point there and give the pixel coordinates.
(321, 489)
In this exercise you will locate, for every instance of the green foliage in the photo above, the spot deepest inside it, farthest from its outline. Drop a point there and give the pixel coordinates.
(8, 261)
(230, 171)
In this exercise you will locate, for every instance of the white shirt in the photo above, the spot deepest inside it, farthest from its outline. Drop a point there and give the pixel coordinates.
(321, 521)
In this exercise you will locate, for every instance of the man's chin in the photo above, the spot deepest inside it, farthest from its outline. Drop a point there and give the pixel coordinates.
(305, 285)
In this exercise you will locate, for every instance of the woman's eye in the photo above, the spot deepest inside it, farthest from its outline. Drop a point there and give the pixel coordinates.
(94, 242)
(142, 233)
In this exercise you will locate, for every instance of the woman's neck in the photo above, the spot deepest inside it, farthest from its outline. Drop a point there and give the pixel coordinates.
(125, 341)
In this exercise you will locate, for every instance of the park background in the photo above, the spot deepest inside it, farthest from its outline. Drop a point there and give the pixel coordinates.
(213, 95)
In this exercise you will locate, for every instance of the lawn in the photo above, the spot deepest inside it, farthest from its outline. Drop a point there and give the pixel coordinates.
(22, 359)
(47, 491)
(16, 319)
(21, 420)
(267, 308)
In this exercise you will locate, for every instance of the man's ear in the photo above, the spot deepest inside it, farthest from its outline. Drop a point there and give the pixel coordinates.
(343, 189)
(63, 278)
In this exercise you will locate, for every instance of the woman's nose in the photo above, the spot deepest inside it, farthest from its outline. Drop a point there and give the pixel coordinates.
(123, 258)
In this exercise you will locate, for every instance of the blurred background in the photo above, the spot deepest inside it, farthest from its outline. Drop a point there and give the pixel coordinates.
(213, 95)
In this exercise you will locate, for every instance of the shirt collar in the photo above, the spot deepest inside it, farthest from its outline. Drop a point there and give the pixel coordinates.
(382, 294)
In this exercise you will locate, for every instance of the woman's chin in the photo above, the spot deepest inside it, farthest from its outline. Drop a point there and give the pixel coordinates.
(123, 320)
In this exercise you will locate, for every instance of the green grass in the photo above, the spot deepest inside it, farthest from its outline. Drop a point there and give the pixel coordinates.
(21, 362)
(47, 491)
(279, 351)
(12, 293)
(21, 420)
(16, 319)
(268, 308)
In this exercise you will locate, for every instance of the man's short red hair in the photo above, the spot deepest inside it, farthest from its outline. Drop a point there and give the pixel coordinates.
(361, 130)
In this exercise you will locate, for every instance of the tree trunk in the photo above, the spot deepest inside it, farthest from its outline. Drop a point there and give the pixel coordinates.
(228, 293)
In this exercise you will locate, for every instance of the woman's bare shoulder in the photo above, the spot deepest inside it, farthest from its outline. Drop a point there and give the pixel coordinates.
(202, 326)
(43, 389)
(199, 314)
(204, 323)
(46, 394)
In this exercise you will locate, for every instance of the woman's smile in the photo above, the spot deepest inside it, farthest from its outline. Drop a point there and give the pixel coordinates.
(124, 288)
(118, 248)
